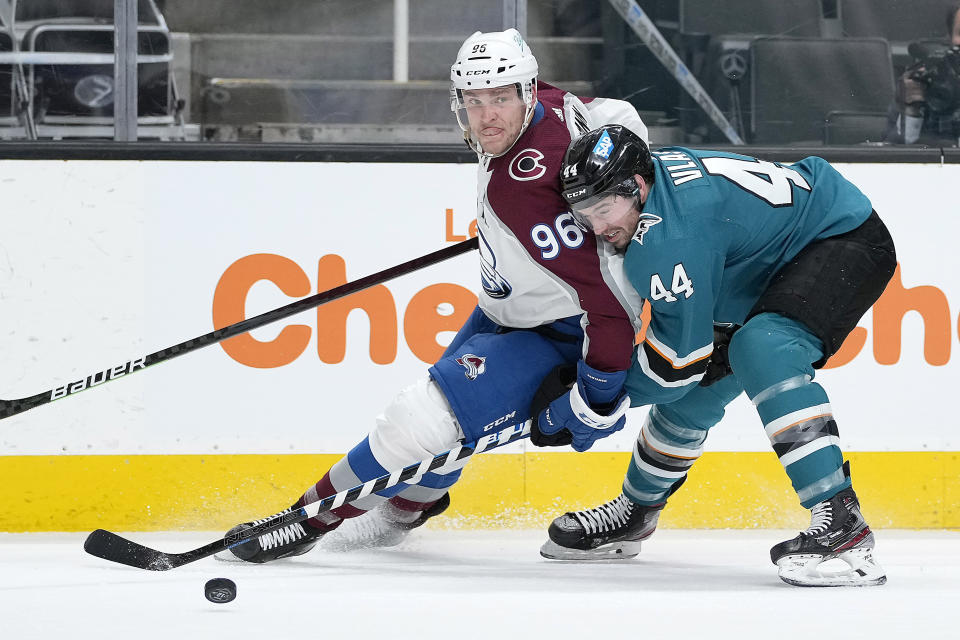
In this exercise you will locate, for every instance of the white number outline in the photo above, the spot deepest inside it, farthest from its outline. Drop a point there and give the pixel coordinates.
(680, 284)
(746, 174)
(570, 235)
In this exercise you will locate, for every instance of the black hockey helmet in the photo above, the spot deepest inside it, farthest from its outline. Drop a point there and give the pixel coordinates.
(602, 163)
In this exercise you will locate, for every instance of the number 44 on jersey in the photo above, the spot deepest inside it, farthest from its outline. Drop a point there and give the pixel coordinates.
(680, 284)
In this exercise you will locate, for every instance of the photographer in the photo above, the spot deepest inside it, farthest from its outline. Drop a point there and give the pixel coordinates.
(927, 109)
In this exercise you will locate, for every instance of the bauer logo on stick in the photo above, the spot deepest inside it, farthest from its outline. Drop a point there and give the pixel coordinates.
(98, 378)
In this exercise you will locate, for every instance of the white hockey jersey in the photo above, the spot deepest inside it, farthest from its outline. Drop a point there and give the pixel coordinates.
(537, 264)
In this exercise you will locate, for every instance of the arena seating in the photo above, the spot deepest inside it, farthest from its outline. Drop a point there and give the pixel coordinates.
(7, 90)
(74, 98)
(898, 21)
(330, 64)
(716, 39)
(796, 82)
(297, 64)
(784, 17)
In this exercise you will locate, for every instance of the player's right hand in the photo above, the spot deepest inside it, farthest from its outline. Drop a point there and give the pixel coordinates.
(556, 384)
(571, 413)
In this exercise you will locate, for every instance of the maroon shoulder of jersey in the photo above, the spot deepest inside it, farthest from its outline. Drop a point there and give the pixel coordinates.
(543, 89)
(524, 192)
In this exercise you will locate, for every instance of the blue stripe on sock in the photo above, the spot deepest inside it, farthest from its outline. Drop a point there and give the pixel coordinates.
(363, 463)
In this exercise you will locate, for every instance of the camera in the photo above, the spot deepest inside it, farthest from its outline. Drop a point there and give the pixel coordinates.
(939, 69)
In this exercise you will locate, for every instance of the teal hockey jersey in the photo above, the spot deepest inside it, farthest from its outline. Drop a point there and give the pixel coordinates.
(714, 230)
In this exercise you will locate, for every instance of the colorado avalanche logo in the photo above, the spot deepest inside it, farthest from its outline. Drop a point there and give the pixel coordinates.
(494, 285)
(526, 165)
(474, 365)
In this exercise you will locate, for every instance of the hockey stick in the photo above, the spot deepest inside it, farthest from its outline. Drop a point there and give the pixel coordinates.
(115, 548)
(647, 31)
(12, 407)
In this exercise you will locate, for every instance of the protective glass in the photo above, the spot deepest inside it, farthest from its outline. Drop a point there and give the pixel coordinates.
(477, 99)
(473, 106)
(607, 207)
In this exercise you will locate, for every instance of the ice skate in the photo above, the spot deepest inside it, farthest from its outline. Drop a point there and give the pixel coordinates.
(385, 526)
(291, 540)
(612, 531)
(837, 532)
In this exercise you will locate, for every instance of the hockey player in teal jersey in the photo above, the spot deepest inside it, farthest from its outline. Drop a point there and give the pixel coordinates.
(755, 273)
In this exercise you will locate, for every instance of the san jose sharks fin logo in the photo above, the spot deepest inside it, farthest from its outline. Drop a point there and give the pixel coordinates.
(647, 220)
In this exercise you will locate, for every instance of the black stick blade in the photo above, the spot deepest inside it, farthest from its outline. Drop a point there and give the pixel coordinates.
(110, 546)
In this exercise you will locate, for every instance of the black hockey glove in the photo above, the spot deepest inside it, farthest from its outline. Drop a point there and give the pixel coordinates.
(556, 384)
(718, 367)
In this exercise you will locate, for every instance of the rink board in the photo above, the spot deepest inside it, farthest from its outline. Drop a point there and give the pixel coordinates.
(724, 490)
(103, 262)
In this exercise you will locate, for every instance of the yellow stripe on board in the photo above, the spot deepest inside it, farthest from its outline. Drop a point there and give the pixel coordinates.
(199, 492)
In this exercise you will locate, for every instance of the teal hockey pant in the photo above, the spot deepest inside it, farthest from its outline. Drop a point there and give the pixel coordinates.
(771, 357)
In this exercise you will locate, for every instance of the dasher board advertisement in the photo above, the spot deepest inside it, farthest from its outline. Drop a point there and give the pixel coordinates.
(102, 262)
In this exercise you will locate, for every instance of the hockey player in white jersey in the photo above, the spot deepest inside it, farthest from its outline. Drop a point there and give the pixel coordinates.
(551, 297)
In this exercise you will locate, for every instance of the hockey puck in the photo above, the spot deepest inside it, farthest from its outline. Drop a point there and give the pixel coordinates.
(220, 590)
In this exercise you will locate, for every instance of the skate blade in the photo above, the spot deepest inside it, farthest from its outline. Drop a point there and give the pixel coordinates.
(611, 551)
(807, 570)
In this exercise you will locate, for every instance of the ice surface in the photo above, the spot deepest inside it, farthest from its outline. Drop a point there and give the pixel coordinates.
(478, 584)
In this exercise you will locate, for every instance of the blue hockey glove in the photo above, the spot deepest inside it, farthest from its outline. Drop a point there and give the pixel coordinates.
(557, 384)
(594, 408)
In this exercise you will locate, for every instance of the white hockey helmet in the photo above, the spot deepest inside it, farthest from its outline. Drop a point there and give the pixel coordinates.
(489, 60)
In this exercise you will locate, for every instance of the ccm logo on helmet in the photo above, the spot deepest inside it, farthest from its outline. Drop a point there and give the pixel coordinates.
(478, 72)
(526, 165)
(570, 195)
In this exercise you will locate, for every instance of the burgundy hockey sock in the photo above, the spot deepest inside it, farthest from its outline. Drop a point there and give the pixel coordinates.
(326, 521)
(408, 511)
